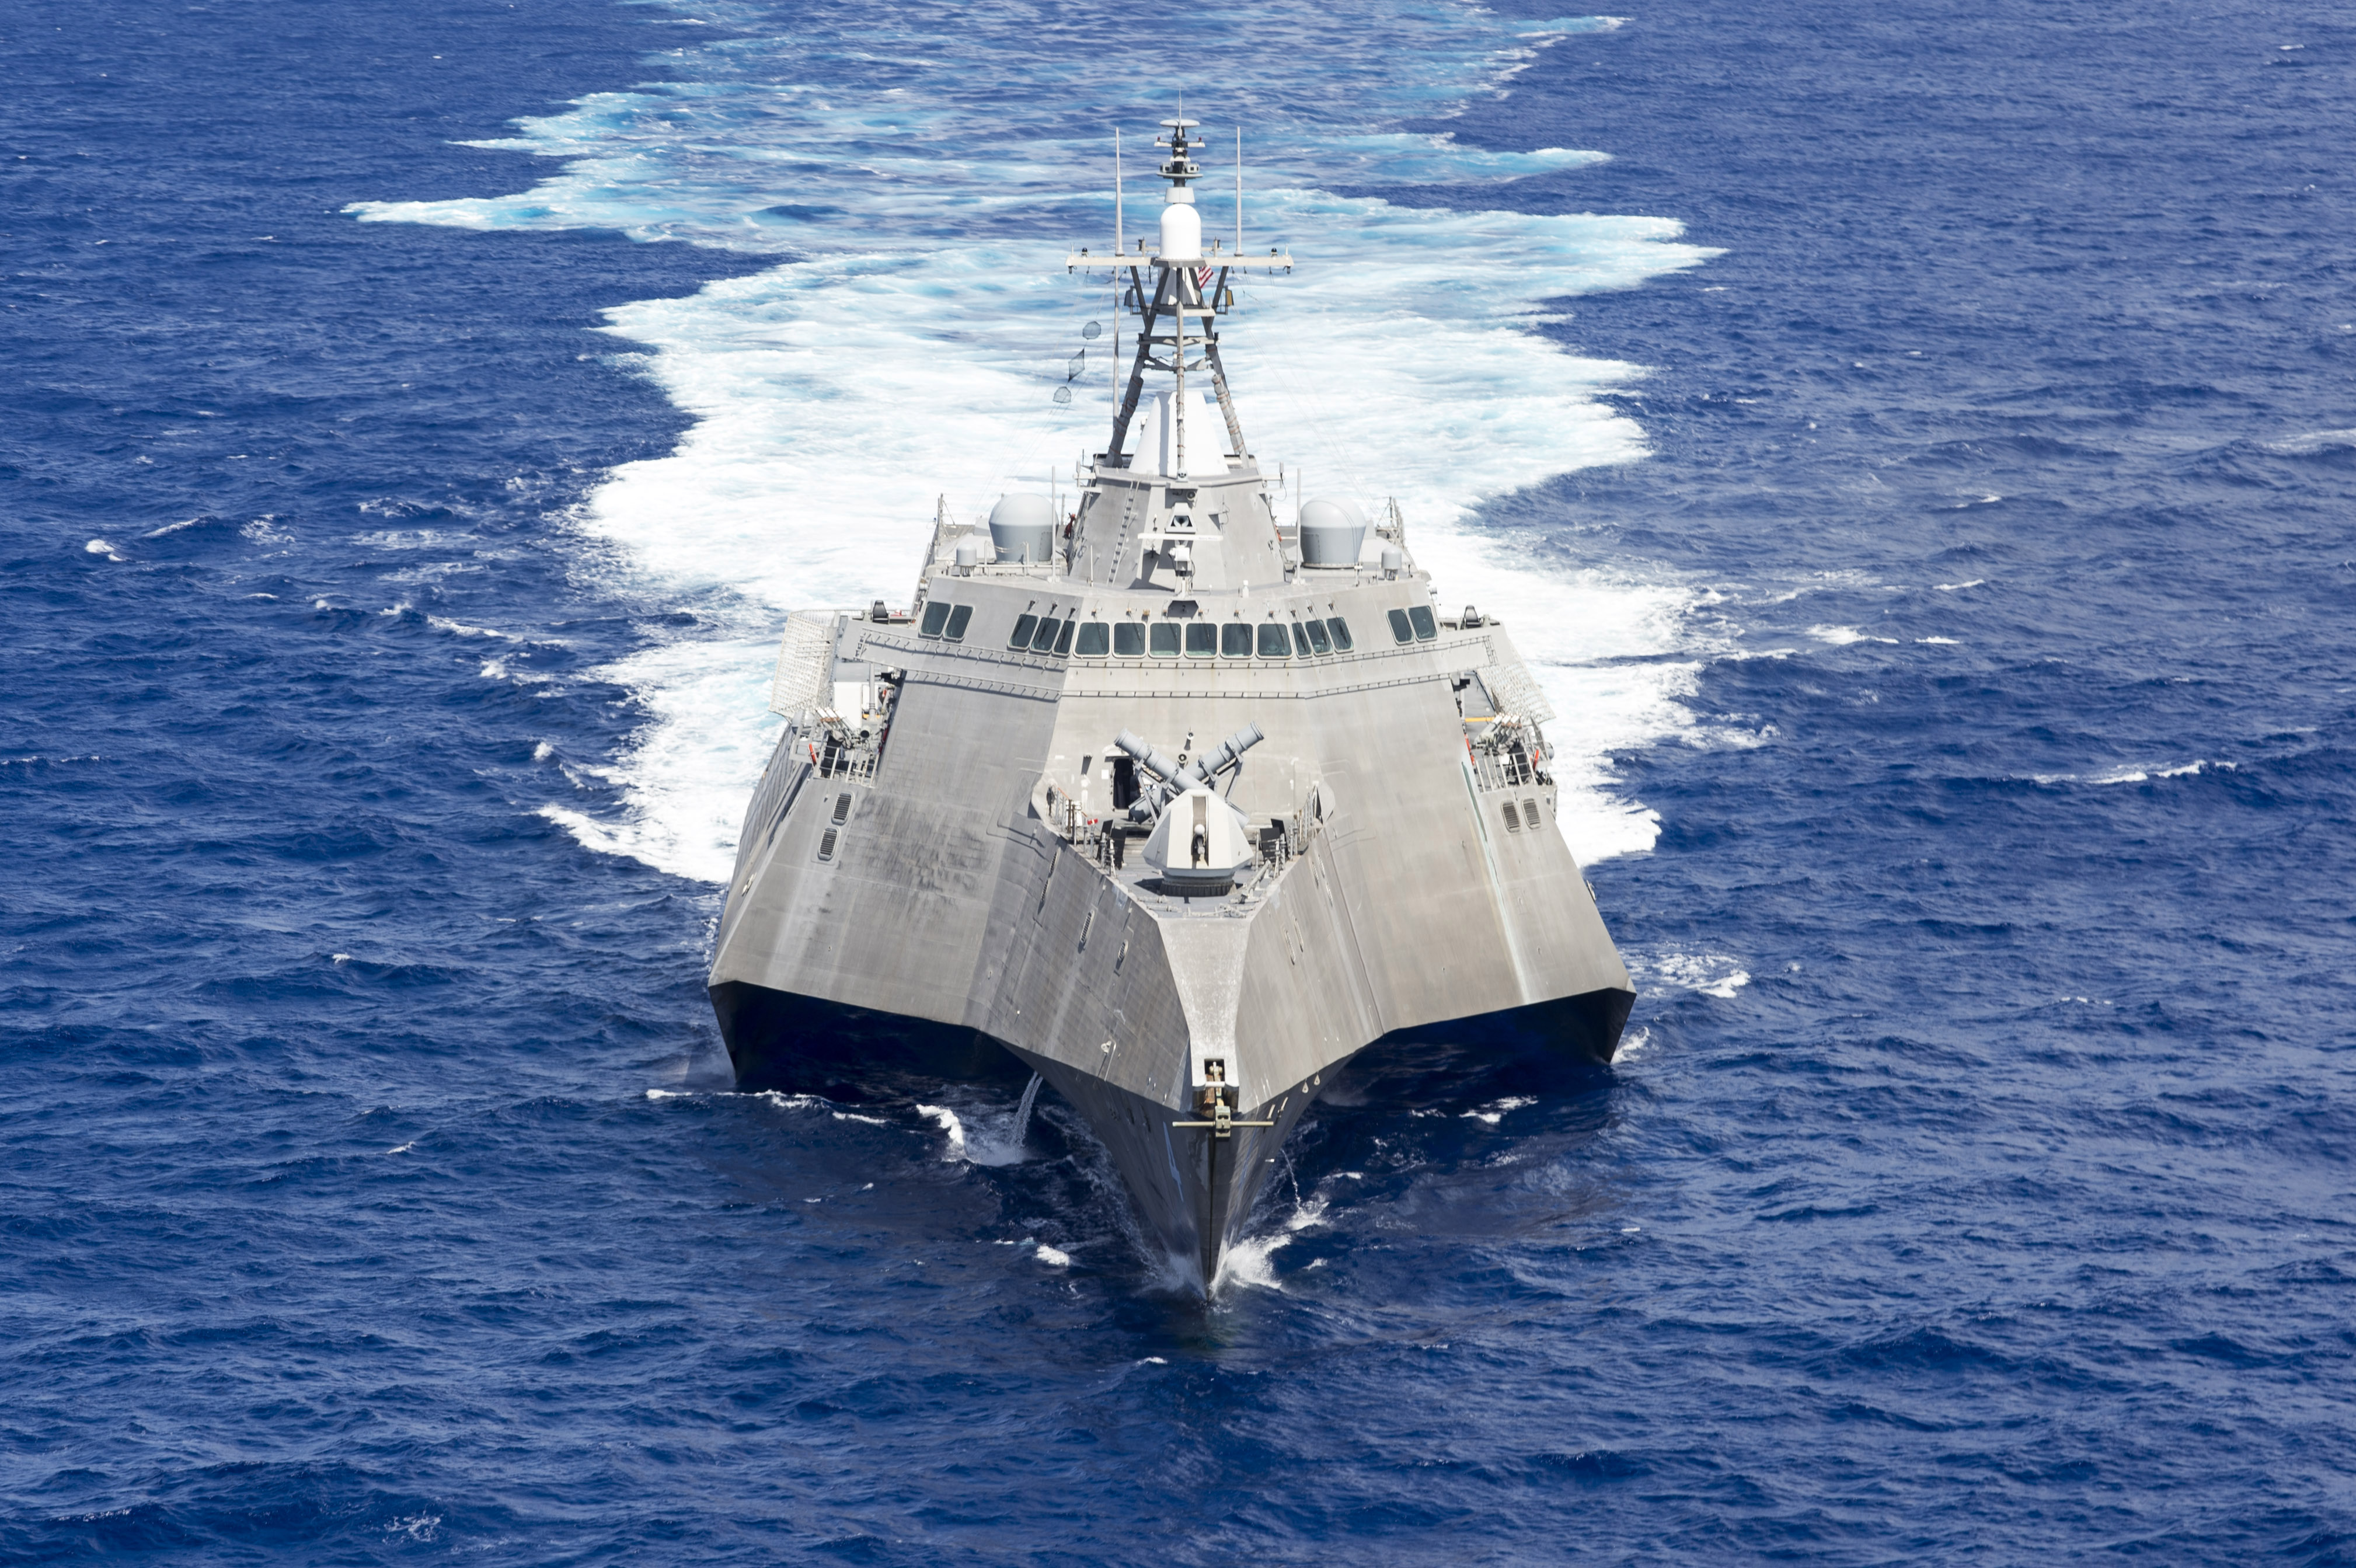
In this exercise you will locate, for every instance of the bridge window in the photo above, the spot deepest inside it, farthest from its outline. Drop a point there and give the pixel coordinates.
(1027, 623)
(960, 618)
(1043, 639)
(1402, 629)
(1314, 631)
(1165, 639)
(1513, 818)
(1063, 637)
(826, 844)
(1235, 640)
(1129, 640)
(1530, 809)
(841, 809)
(1201, 640)
(1096, 640)
(1275, 642)
(936, 616)
(1341, 630)
(1426, 628)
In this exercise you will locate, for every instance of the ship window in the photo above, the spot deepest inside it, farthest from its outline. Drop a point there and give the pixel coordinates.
(1026, 623)
(841, 809)
(1235, 640)
(1095, 639)
(1129, 640)
(960, 618)
(1402, 629)
(1426, 628)
(826, 844)
(1044, 637)
(1275, 642)
(1201, 640)
(1513, 818)
(1165, 639)
(1530, 809)
(1338, 627)
(1063, 637)
(1314, 631)
(936, 616)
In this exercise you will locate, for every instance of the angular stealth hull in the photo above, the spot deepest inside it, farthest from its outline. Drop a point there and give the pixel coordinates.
(939, 853)
(953, 888)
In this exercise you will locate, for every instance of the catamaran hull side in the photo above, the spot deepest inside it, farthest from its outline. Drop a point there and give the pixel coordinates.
(810, 1045)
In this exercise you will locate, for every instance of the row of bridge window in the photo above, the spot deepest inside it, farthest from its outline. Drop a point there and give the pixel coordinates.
(1308, 638)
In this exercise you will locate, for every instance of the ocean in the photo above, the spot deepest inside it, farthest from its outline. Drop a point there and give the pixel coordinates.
(1914, 446)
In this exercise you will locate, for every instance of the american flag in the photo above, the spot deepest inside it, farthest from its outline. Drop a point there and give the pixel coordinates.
(1203, 277)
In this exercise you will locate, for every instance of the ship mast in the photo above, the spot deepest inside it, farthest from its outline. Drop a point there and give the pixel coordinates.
(1178, 308)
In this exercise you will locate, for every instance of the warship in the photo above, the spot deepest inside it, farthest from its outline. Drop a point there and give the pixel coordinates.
(1182, 800)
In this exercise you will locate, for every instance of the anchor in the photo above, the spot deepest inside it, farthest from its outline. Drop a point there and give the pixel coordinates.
(1217, 1100)
(1214, 1100)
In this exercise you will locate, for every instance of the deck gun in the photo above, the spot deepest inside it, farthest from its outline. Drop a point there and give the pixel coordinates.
(1175, 778)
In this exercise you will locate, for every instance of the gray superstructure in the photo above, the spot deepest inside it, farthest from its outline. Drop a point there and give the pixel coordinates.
(1181, 804)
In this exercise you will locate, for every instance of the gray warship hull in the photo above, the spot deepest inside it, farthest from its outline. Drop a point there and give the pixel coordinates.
(1000, 819)
(948, 888)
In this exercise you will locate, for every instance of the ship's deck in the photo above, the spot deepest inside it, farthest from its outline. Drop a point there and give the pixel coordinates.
(1144, 884)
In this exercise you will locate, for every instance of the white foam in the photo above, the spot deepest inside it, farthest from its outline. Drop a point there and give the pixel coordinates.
(101, 547)
(1251, 1262)
(460, 629)
(1053, 1257)
(907, 347)
(1495, 1110)
(2312, 442)
(1707, 973)
(1250, 1259)
(977, 1138)
(2133, 773)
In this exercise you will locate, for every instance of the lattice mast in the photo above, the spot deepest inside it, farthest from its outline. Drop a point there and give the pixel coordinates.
(1179, 304)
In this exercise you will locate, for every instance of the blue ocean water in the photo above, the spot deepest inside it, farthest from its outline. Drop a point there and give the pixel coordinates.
(1920, 446)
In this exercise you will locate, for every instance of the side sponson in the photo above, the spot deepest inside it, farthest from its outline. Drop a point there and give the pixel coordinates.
(880, 893)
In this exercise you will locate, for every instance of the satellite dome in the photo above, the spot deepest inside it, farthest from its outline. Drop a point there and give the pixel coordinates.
(1182, 231)
(1023, 529)
(1331, 533)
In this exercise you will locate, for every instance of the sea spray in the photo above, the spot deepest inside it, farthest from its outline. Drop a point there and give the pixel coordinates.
(1023, 1111)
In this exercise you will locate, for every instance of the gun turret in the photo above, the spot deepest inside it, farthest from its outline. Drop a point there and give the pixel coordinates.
(1176, 781)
